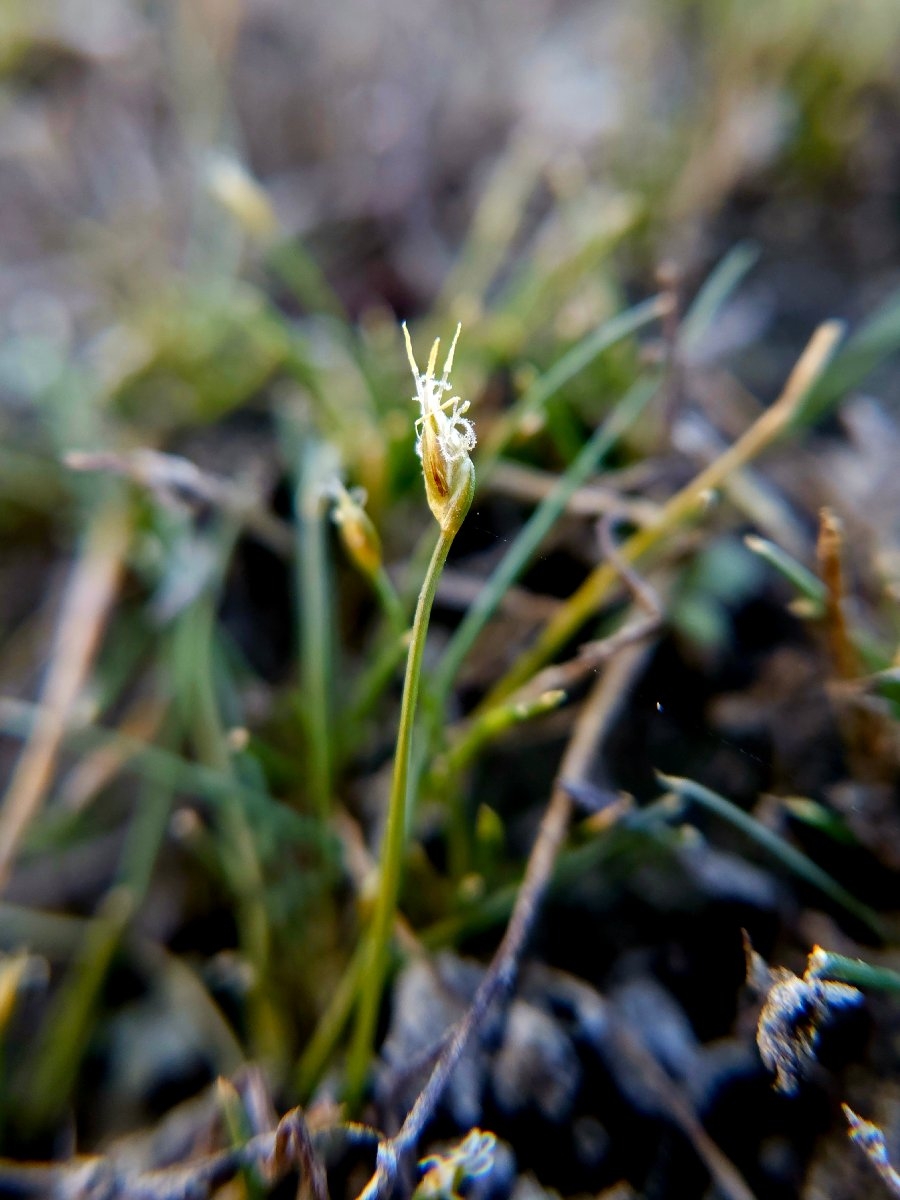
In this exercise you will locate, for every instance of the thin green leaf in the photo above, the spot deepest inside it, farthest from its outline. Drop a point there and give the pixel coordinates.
(715, 293)
(795, 861)
(854, 971)
(810, 586)
(572, 363)
(876, 340)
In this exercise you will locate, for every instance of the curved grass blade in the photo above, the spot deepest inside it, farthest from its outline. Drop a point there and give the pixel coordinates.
(716, 291)
(572, 363)
(795, 861)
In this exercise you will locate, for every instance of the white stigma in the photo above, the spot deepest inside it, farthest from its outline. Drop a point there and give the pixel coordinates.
(455, 434)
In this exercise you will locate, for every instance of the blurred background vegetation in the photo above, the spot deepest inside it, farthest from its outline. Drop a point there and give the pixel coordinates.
(214, 215)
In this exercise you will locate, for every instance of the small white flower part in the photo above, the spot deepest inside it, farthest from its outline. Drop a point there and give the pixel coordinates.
(871, 1140)
(356, 531)
(793, 1011)
(445, 1173)
(444, 435)
(455, 434)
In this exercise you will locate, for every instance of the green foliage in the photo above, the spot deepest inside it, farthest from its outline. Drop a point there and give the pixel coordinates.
(244, 781)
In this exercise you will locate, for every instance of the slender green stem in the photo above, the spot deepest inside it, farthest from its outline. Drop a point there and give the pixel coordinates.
(810, 586)
(394, 843)
(855, 971)
(389, 599)
(489, 912)
(490, 725)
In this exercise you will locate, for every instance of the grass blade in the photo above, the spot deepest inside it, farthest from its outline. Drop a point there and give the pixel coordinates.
(876, 340)
(716, 291)
(795, 861)
(529, 538)
(771, 424)
(572, 363)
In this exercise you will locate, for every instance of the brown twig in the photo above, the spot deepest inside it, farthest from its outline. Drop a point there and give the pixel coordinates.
(294, 1150)
(867, 735)
(828, 552)
(88, 598)
(531, 485)
(592, 655)
(274, 1153)
(140, 723)
(677, 1106)
(176, 481)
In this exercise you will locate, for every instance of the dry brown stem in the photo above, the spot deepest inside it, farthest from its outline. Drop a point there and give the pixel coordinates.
(275, 1154)
(869, 738)
(828, 552)
(88, 599)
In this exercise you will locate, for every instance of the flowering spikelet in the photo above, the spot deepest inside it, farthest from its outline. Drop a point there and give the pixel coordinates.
(444, 437)
(357, 533)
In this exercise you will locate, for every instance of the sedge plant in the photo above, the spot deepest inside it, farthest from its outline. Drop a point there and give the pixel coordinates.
(444, 440)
